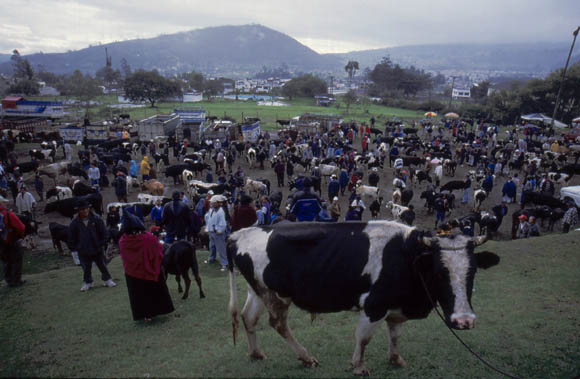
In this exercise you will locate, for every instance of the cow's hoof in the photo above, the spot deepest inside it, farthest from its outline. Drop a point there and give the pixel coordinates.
(179, 290)
(398, 361)
(360, 371)
(202, 295)
(184, 297)
(309, 362)
(257, 355)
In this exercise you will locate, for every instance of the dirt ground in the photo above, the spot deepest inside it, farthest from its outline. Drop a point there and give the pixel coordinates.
(423, 220)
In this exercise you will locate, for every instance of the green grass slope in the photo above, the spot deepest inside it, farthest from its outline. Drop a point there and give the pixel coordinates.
(527, 309)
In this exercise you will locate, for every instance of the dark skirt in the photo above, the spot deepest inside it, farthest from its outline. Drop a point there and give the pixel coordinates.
(148, 299)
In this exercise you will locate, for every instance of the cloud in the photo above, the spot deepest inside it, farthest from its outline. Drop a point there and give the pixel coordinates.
(324, 25)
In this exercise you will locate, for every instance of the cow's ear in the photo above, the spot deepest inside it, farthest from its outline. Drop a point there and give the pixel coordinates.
(486, 259)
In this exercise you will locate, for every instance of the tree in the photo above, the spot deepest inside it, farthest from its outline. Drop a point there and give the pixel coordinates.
(212, 88)
(195, 80)
(84, 87)
(21, 66)
(351, 68)
(305, 85)
(349, 98)
(125, 68)
(150, 86)
(25, 87)
(479, 90)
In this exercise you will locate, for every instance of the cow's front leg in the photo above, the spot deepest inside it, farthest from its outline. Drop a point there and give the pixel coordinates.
(278, 310)
(365, 330)
(395, 329)
(178, 279)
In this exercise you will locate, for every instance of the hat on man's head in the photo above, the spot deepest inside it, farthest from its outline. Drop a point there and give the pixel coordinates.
(131, 223)
(217, 198)
(83, 204)
(523, 217)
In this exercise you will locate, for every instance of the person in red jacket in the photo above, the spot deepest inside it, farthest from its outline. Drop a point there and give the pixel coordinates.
(244, 214)
(10, 250)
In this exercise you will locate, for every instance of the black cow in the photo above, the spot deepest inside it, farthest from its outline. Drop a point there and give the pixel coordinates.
(478, 197)
(177, 260)
(571, 169)
(76, 170)
(25, 167)
(413, 161)
(81, 189)
(386, 270)
(538, 198)
(68, 207)
(176, 172)
(58, 234)
(453, 186)
(30, 228)
(419, 176)
(266, 182)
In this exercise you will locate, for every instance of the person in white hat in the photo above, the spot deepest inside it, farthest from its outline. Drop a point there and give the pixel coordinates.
(215, 220)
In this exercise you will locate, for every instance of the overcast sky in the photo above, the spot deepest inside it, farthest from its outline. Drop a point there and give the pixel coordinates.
(324, 25)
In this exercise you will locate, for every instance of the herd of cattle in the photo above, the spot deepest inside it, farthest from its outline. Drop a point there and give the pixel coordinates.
(390, 271)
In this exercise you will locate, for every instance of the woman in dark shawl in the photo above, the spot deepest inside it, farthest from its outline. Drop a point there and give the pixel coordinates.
(142, 255)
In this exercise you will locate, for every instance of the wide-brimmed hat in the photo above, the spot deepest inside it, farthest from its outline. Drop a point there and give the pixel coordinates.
(523, 217)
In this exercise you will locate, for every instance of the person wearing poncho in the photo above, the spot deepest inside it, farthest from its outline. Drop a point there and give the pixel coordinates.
(142, 255)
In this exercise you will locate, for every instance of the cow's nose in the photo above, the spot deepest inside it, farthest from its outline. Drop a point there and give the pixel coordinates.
(463, 321)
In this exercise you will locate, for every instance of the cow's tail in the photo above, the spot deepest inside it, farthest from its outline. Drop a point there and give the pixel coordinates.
(233, 303)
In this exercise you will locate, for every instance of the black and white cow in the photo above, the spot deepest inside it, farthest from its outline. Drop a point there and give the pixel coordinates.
(386, 270)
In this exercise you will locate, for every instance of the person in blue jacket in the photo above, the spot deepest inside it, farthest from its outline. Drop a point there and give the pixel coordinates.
(343, 180)
(509, 190)
(333, 187)
(487, 184)
(133, 169)
(305, 204)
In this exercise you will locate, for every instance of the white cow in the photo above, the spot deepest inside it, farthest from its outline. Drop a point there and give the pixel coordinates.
(251, 157)
(367, 191)
(148, 199)
(401, 213)
(255, 186)
(326, 170)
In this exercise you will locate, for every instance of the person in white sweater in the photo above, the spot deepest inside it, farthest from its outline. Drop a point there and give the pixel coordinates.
(25, 202)
(94, 175)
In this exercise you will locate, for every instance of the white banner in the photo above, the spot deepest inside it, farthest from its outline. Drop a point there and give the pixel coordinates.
(251, 132)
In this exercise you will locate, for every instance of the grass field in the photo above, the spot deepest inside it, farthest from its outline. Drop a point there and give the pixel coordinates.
(528, 325)
(267, 114)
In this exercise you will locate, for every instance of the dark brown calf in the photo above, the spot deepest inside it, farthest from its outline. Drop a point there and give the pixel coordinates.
(178, 258)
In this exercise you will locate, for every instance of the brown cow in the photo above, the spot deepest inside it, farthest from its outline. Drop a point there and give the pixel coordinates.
(155, 187)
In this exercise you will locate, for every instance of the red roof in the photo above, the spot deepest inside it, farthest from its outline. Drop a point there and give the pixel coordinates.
(9, 102)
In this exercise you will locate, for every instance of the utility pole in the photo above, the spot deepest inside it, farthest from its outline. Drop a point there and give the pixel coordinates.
(575, 34)
(331, 85)
(451, 96)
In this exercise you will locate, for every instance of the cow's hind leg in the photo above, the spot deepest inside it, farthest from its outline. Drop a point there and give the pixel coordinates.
(365, 330)
(198, 281)
(395, 329)
(250, 315)
(278, 309)
(187, 284)
(178, 279)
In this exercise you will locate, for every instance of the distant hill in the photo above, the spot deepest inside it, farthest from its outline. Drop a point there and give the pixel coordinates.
(232, 50)
(242, 51)
(524, 58)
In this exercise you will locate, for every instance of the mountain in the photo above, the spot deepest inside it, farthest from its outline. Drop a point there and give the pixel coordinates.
(233, 50)
(538, 59)
(242, 51)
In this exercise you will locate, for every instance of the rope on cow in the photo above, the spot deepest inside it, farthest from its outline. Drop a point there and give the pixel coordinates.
(457, 336)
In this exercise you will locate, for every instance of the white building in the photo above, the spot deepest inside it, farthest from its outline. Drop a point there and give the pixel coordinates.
(461, 93)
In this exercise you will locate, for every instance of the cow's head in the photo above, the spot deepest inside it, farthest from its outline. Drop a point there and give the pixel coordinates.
(454, 265)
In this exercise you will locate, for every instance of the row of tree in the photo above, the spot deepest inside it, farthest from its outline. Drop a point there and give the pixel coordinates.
(534, 96)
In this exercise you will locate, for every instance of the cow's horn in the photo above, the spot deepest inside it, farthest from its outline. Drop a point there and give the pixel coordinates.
(427, 241)
(479, 240)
